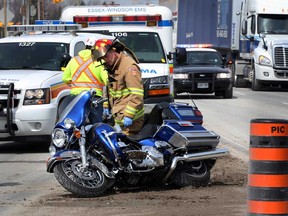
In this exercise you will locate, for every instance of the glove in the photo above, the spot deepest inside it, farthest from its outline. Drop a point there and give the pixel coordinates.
(106, 112)
(127, 121)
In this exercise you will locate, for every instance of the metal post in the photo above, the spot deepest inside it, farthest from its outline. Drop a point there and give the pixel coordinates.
(38, 10)
(27, 3)
(5, 18)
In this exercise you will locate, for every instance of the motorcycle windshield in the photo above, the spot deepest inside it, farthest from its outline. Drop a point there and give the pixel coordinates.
(77, 109)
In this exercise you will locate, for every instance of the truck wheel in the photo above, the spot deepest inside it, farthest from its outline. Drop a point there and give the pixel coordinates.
(255, 85)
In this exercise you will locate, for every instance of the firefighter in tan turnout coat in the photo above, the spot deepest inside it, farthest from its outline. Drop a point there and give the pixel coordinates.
(125, 86)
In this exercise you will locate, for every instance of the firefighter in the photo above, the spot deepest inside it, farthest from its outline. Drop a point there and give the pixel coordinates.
(125, 88)
(83, 74)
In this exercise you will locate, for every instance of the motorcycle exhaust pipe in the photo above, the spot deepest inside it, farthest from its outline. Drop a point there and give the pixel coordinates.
(195, 157)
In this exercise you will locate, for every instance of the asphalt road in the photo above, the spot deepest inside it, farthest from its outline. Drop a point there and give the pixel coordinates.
(230, 118)
(24, 180)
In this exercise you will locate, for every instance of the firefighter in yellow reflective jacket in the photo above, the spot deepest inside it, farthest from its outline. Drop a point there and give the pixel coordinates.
(83, 74)
(124, 85)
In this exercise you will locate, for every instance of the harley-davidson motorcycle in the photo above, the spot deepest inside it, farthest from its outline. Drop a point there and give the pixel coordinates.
(171, 149)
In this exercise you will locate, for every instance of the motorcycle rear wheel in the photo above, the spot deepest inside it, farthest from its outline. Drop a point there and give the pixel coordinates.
(192, 174)
(88, 183)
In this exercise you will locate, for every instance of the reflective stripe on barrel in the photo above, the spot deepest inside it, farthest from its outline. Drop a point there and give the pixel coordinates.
(268, 167)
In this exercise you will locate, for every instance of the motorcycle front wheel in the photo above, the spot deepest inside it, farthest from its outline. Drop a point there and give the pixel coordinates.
(195, 174)
(87, 182)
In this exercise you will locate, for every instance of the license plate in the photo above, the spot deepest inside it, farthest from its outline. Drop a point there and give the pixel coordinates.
(202, 85)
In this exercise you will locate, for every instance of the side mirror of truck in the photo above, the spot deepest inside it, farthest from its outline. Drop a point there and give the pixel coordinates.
(263, 35)
(244, 27)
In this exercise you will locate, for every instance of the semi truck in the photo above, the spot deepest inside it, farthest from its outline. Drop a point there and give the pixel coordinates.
(252, 33)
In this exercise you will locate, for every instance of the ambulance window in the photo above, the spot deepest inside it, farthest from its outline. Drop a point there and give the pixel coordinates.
(146, 46)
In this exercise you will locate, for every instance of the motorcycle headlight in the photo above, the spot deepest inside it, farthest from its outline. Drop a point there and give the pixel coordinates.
(69, 123)
(58, 137)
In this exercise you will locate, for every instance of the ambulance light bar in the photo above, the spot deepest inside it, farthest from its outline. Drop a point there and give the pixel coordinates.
(42, 28)
(148, 19)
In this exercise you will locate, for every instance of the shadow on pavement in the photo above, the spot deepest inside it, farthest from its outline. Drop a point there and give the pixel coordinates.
(24, 147)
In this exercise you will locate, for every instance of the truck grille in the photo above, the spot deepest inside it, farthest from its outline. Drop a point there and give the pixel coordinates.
(281, 61)
(281, 57)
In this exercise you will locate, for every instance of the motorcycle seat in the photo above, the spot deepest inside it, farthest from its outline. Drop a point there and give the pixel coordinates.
(155, 116)
(146, 132)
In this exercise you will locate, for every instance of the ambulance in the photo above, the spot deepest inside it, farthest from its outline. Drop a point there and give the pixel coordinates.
(146, 30)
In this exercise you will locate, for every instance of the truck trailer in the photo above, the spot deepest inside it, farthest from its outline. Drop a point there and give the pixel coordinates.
(252, 33)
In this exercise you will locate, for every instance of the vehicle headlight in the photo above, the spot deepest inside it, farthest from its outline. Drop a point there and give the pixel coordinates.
(37, 96)
(59, 138)
(263, 60)
(159, 80)
(224, 75)
(180, 76)
(69, 123)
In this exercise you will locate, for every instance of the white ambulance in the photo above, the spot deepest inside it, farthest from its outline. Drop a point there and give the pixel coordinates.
(31, 84)
(146, 30)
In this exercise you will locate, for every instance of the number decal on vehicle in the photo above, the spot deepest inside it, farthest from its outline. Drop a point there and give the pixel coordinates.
(26, 44)
(119, 34)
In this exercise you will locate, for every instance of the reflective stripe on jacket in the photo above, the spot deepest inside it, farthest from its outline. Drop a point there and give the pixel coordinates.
(126, 92)
(83, 74)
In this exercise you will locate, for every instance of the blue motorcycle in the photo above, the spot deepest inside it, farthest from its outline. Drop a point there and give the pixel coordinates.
(87, 160)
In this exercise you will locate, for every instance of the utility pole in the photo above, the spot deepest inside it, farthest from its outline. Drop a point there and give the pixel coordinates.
(27, 3)
(5, 18)
(38, 9)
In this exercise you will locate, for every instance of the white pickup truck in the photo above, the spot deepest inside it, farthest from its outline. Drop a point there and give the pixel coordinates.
(31, 84)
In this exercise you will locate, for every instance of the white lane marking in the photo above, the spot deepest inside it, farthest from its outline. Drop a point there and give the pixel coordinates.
(286, 103)
(239, 93)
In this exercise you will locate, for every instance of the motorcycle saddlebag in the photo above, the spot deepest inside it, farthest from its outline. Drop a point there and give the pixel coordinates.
(185, 134)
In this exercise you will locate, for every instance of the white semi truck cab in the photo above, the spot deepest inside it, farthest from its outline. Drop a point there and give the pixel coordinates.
(264, 43)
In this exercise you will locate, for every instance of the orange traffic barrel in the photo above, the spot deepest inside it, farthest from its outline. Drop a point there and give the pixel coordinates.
(268, 167)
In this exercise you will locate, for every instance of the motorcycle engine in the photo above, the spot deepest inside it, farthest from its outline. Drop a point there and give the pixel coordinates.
(147, 158)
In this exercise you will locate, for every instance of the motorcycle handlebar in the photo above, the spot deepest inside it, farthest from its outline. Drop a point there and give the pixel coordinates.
(99, 101)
